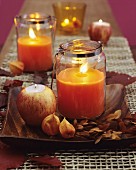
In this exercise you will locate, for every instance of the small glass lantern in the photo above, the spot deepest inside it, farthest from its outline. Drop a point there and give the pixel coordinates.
(80, 72)
(35, 38)
(70, 16)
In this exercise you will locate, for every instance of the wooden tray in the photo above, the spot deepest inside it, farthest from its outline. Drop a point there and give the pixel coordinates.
(16, 133)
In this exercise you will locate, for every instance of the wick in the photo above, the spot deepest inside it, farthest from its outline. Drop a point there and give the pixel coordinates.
(35, 86)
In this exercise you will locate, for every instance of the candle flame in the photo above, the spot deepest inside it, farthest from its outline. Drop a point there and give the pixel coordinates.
(31, 33)
(84, 68)
(67, 7)
(65, 22)
(100, 20)
(38, 27)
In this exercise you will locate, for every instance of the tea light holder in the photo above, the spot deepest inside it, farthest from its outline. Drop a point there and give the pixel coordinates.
(100, 31)
(35, 38)
(80, 73)
(70, 16)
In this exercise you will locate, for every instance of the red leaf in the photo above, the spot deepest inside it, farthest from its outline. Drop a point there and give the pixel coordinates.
(12, 83)
(3, 113)
(53, 161)
(119, 78)
(10, 158)
(5, 73)
(3, 99)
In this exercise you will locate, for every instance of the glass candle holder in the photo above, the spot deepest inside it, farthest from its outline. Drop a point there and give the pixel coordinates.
(80, 72)
(70, 16)
(35, 40)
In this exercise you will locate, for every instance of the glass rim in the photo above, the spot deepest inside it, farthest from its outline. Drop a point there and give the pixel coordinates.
(81, 48)
(69, 4)
(31, 18)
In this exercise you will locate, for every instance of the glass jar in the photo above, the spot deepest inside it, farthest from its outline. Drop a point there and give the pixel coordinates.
(80, 73)
(70, 16)
(35, 40)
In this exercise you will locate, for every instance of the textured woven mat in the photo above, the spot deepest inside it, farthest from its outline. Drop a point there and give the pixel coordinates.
(119, 59)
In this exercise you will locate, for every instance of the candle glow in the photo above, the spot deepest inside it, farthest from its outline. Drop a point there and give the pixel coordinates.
(31, 33)
(81, 92)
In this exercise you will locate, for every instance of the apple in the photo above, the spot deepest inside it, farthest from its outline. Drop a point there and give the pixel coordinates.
(35, 102)
(100, 31)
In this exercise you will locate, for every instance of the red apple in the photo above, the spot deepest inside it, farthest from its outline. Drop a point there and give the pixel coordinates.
(34, 103)
(100, 31)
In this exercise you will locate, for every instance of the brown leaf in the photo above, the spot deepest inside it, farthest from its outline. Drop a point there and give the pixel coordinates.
(52, 161)
(115, 115)
(96, 129)
(98, 139)
(5, 73)
(3, 113)
(122, 126)
(115, 135)
(10, 158)
(3, 99)
(104, 127)
(84, 122)
(79, 127)
(119, 78)
(107, 134)
(12, 83)
(83, 133)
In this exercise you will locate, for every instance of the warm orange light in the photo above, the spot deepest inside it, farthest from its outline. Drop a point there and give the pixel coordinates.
(31, 33)
(67, 7)
(84, 68)
(74, 19)
(65, 22)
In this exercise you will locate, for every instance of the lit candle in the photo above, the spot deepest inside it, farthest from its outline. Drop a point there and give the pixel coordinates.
(69, 25)
(100, 31)
(81, 92)
(36, 88)
(35, 52)
(35, 102)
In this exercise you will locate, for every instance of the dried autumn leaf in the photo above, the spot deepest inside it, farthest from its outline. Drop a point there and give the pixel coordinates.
(115, 135)
(5, 73)
(48, 160)
(3, 99)
(96, 129)
(3, 113)
(84, 122)
(122, 126)
(107, 134)
(16, 67)
(79, 127)
(98, 139)
(83, 133)
(12, 83)
(115, 115)
(75, 123)
(10, 158)
(119, 78)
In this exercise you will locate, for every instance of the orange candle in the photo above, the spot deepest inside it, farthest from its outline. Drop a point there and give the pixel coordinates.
(35, 53)
(81, 95)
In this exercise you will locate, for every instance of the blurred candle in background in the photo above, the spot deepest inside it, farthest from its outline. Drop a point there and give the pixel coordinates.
(100, 31)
